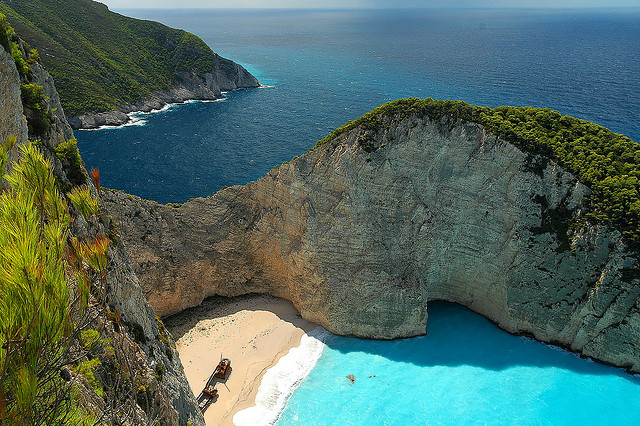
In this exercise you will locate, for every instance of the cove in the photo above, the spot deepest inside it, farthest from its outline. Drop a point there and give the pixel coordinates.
(464, 371)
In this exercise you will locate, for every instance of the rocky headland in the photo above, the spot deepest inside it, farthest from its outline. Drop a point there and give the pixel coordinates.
(360, 233)
(363, 231)
(107, 65)
(224, 77)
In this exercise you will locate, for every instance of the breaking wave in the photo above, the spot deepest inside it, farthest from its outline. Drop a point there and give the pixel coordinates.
(281, 380)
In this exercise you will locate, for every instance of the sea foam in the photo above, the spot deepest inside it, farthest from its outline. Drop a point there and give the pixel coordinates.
(140, 118)
(281, 380)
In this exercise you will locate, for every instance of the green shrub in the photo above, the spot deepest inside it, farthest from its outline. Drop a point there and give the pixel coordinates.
(23, 67)
(87, 369)
(68, 153)
(81, 197)
(43, 300)
(5, 33)
(38, 117)
(4, 153)
(33, 96)
(92, 342)
(34, 56)
(35, 319)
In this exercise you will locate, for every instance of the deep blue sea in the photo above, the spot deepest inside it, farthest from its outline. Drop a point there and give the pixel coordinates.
(327, 67)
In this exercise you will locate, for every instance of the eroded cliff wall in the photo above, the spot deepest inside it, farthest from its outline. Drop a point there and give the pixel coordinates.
(361, 233)
(14, 124)
(138, 335)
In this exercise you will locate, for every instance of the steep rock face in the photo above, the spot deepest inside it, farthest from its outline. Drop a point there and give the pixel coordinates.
(230, 75)
(361, 233)
(146, 345)
(60, 129)
(11, 117)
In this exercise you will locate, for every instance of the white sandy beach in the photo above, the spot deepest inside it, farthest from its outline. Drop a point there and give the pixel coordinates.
(253, 331)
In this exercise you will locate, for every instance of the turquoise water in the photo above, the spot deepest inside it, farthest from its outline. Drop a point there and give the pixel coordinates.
(465, 371)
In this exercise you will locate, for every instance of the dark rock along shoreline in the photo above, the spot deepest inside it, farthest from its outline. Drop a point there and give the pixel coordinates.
(226, 76)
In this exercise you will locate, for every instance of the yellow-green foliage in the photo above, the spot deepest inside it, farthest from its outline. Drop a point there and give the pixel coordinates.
(34, 294)
(6, 32)
(81, 197)
(68, 153)
(35, 56)
(23, 67)
(44, 290)
(4, 153)
(33, 98)
(87, 369)
(91, 340)
(94, 253)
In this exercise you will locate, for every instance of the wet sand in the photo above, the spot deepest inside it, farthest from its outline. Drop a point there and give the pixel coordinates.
(253, 331)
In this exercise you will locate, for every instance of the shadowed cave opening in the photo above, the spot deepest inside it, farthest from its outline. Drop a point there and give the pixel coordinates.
(457, 336)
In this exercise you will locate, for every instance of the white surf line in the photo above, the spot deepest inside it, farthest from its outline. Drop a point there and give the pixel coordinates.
(281, 380)
(137, 118)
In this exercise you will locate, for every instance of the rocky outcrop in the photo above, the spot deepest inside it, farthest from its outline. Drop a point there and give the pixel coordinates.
(224, 77)
(363, 232)
(135, 332)
(60, 129)
(13, 121)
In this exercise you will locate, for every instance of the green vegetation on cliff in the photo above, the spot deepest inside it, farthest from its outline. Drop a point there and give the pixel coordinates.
(607, 162)
(42, 297)
(62, 362)
(100, 59)
(34, 100)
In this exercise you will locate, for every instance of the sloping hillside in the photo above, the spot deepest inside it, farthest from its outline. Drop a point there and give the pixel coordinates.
(104, 61)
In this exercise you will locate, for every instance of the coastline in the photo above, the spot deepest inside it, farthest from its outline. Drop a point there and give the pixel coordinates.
(123, 116)
(253, 331)
(128, 115)
(281, 380)
(138, 118)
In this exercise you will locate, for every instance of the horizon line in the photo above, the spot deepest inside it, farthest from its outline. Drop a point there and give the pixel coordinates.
(386, 8)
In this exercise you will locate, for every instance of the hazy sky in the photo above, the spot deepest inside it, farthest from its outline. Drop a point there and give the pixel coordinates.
(175, 4)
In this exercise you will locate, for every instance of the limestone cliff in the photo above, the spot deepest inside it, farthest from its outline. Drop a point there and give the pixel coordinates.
(362, 232)
(128, 323)
(13, 121)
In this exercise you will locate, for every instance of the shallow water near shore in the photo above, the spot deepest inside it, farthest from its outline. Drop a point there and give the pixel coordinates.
(465, 371)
